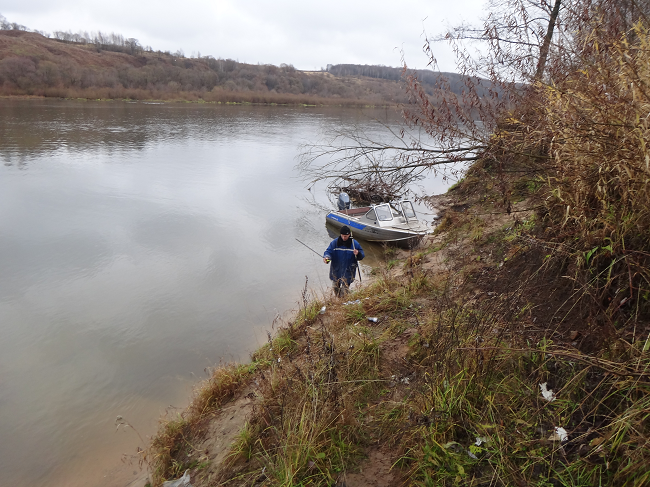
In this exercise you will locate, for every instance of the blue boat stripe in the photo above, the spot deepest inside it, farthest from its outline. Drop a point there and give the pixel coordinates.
(347, 221)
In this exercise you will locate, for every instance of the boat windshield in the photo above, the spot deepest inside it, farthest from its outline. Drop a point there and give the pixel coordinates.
(409, 212)
(383, 213)
(397, 213)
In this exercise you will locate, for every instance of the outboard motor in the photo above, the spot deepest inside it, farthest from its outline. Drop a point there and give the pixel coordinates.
(344, 202)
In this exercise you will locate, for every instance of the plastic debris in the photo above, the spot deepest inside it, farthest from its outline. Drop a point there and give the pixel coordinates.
(373, 319)
(184, 481)
(358, 301)
(546, 393)
(322, 310)
(403, 380)
(480, 440)
(471, 455)
(560, 435)
(452, 445)
(279, 360)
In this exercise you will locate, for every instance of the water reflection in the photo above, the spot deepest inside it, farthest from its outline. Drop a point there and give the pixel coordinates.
(50, 126)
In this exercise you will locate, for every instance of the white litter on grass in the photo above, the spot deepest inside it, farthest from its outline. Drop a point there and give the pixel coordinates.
(184, 481)
(546, 393)
(480, 440)
(471, 455)
(560, 435)
(403, 380)
(358, 301)
(322, 310)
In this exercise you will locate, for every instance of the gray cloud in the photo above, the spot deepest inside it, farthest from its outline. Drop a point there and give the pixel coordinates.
(305, 34)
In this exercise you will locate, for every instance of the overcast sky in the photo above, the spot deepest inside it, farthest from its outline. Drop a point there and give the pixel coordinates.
(308, 35)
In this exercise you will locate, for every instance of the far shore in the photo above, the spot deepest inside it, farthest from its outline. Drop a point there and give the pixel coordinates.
(220, 98)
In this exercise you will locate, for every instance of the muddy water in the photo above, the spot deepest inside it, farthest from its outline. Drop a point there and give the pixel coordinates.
(140, 244)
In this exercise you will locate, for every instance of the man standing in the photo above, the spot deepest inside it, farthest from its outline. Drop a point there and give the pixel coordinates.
(344, 253)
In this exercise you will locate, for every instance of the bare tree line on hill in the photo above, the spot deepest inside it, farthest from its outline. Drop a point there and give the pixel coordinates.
(102, 41)
(6, 25)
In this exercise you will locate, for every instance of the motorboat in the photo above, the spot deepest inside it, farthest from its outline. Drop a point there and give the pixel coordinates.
(385, 222)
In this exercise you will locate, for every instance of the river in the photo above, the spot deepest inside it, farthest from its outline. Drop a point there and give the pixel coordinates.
(141, 244)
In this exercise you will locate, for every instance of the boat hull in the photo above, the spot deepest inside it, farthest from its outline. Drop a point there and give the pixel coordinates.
(372, 233)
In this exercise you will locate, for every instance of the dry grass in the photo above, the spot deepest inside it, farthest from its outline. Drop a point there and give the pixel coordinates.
(214, 96)
(446, 364)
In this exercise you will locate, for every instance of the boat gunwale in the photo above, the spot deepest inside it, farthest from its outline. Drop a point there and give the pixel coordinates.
(409, 233)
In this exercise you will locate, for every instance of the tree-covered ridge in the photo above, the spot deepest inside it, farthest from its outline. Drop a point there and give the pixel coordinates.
(427, 77)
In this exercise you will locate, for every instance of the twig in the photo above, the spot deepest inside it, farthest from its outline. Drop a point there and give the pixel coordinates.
(592, 361)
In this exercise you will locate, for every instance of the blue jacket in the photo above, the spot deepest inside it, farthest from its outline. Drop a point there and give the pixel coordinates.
(344, 263)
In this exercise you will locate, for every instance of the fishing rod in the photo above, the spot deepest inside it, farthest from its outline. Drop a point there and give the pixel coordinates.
(319, 255)
(358, 266)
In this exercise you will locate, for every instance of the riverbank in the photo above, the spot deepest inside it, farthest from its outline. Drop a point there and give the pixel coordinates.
(485, 366)
(220, 98)
(212, 98)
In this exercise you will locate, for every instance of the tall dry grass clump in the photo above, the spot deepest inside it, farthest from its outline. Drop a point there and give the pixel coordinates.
(597, 124)
(585, 136)
(598, 127)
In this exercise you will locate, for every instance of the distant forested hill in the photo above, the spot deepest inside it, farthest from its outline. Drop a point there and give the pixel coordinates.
(110, 66)
(429, 79)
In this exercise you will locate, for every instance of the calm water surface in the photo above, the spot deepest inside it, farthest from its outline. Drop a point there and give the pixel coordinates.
(140, 244)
